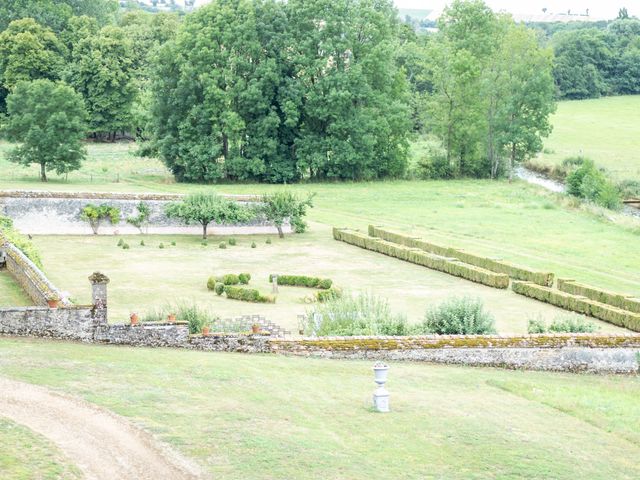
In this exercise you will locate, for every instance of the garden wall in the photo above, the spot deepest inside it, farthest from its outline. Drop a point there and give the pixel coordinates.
(492, 264)
(623, 301)
(67, 323)
(59, 213)
(29, 276)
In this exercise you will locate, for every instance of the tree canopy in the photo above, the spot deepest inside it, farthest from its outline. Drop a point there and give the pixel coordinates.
(49, 120)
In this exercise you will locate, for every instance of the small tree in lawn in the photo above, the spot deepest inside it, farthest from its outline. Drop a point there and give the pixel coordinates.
(204, 208)
(96, 215)
(48, 119)
(282, 205)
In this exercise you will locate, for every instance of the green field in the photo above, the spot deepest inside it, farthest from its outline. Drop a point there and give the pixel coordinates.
(267, 417)
(604, 129)
(178, 274)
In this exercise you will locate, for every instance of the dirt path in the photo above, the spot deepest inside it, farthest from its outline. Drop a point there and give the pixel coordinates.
(102, 444)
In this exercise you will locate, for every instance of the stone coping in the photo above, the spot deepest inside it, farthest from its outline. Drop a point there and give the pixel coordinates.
(543, 340)
(111, 195)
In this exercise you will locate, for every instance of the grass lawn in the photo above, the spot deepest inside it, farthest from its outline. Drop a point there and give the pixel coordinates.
(145, 278)
(11, 294)
(268, 417)
(604, 129)
(25, 455)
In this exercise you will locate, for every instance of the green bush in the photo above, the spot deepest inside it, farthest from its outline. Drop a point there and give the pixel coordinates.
(211, 283)
(253, 245)
(459, 316)
(173, 243)
(303, 281)
(120, 242)
(95, 215)
(572, 323)
(229, 279)
(244, 278)
(590, 183)
(19, 241)
(219, 288)
(349, 315)
(204, 243)
(222, 245)
(629, 189)
(194, 315)
(161, 245)
(247, 295)
(330, 294)
(268, 241)
(142, 244)
(232, 242)
(536, 325)
(125, 246)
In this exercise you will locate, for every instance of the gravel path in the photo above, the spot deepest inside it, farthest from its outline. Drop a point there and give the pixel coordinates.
(102, 444)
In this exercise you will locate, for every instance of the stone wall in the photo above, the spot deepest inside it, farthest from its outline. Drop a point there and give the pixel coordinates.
(59, 213)
(29, 276)
(67, 323)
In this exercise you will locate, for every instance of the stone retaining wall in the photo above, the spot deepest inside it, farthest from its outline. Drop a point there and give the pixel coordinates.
(36, 285)
(68, 323)
(59, 213)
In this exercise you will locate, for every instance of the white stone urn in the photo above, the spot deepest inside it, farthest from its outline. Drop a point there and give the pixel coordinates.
(380, 371)
(381, 395)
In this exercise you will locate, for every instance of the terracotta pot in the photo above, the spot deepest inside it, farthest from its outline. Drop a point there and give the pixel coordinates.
(255, 328)
(205, 331)
(53, 303)
(171, 317)
(134, 318)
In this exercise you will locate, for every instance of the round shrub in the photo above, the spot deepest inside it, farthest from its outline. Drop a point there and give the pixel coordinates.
(204, 243)
(219, 288)
(222, 245)
(459, 316)
(268, 242)
(125, 246)
(232, 241)
(142, 243)
(253, 245)
(229, 279)
(173, 243)
(211, 283)
(161, 245)
(325, 284)
(120, 242)
(244, 278)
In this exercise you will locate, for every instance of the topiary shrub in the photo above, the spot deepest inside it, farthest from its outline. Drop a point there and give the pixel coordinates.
(219, 288)
(211, 283)
(459, 316)
(247, 295)
(173, 243)
(142, 244)
(120, 242)
(204, 243)
(161, 245)
(222, 245)
(244, 278)
(229, 279)
(253, 245)
(303, 281)
(232, 242)
(330, 294)
(268, 241)
(125, 246)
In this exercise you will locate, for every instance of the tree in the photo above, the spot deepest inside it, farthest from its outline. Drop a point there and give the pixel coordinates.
(284, 205)
(49, 121)
(96, 215)
(204, 208)
(141, 220)
(102, 70)
(29, 51)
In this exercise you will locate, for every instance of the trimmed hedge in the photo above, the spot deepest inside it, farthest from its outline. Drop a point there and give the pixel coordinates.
(247, 295)
(448, 265)
(303, 281)
(579, 304)
(325, 295)
(622, 301)
(498, 266)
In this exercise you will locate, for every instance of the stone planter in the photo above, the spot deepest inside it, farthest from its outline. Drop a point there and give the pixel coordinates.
(53, 303)
(205, 331)
(133, 318)
(171, 317)
(255, 328)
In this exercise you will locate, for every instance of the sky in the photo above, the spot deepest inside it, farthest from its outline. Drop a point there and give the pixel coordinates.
(597, 8)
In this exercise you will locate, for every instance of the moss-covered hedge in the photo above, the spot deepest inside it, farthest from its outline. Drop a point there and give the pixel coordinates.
(247, 295)
(448, 265)
(302, 281)
(579, 304)
(619, 300)
(498, 266)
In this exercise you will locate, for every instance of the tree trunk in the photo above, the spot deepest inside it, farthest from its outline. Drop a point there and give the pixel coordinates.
(512, 161)
(204, 231)
(43, 173)
(280, 232)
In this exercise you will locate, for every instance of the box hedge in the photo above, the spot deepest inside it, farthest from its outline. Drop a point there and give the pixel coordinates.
(302, 281)
(418, 256)
(619, 300)
(579, 304)
(498, 266)
(247, 295)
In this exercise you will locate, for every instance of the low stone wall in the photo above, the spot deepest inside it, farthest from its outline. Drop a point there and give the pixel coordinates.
(69, 323)
(59, 213)
(144, 335)
(36, 285)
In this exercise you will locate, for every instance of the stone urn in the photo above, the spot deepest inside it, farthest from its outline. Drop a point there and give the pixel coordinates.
(381, 395)
(380, 370)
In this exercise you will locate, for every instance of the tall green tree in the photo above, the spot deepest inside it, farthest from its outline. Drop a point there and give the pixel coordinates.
(29, 51)
(102, 70)
(48, 120)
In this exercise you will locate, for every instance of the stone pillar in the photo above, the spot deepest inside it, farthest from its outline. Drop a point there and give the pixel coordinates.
(99, 283)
